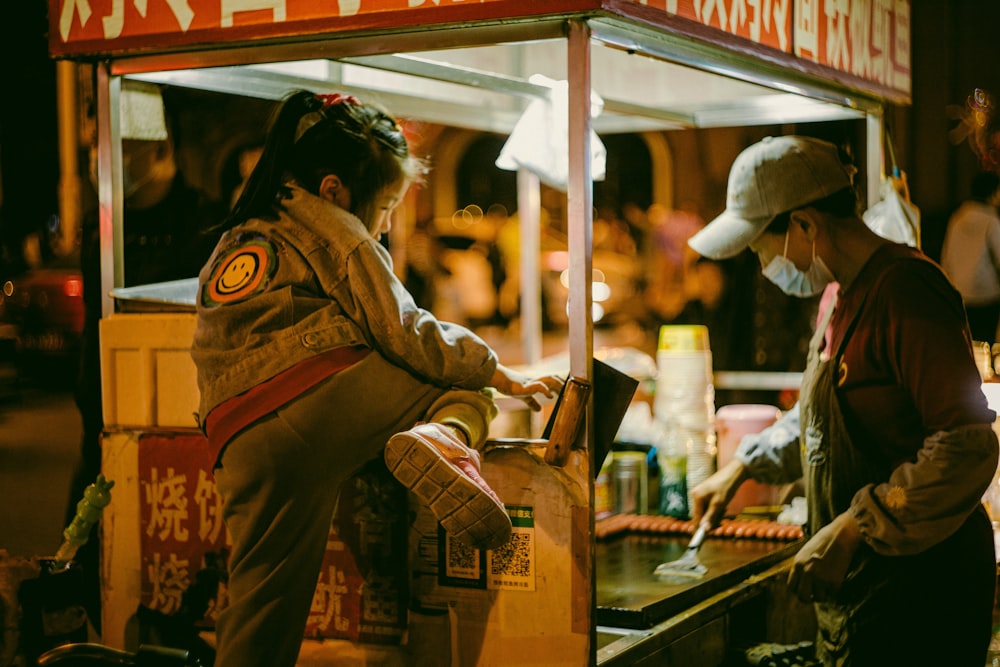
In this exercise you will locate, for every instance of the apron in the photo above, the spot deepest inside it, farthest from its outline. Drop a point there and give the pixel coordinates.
(831, 471)
(878, 609)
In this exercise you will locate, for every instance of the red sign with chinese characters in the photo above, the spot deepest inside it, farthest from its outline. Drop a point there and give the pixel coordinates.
(180, 519)
(766, 22)
(867, 38)
(108, 26)
(183, 543)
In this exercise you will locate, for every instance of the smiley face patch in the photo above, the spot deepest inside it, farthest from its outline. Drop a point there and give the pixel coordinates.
(240, 272)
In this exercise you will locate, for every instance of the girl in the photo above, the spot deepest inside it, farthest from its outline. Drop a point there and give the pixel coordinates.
(312, 356)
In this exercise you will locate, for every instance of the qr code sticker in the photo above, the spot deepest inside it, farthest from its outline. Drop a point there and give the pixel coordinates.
(512, 566)
(514, 557)
(462, 561)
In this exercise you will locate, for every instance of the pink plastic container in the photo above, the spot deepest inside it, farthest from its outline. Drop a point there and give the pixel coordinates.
(732, 422)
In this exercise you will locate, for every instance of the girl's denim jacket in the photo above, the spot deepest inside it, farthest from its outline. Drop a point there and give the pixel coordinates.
(276, 292)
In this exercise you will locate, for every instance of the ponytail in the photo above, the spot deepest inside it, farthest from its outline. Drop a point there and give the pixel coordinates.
(311, 136)
(265, 182)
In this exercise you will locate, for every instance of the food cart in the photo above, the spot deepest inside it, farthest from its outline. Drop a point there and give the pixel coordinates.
(657, 65)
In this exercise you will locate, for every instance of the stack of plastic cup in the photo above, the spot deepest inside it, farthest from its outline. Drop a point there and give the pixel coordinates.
(684, 405)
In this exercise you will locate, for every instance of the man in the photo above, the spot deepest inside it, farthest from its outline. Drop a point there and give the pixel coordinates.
(166, 237)
(971, 255)
(896, 446)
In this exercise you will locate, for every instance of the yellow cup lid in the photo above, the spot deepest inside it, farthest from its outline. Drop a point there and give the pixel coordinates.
(683, 337)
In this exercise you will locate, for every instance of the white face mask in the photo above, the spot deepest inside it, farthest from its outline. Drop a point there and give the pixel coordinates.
(782, 272)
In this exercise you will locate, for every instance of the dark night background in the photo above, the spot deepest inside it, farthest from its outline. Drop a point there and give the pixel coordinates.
(29, 157)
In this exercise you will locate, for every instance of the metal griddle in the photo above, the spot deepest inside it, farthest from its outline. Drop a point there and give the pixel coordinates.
(630, 596)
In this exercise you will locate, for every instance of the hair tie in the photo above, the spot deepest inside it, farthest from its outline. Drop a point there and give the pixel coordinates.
(327, 101)
(333, 99)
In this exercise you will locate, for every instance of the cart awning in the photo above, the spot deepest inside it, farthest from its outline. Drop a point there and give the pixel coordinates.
(865, 43)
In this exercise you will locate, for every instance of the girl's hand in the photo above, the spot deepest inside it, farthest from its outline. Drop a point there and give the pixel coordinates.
(519, 385)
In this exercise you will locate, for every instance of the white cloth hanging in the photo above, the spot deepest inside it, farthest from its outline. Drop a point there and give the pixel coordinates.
(540, 139)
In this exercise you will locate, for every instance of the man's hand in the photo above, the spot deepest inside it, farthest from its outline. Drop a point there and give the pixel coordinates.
(711, 497)
(819, 568)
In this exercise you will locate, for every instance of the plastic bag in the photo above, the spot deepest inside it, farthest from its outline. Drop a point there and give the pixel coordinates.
(539, 141)
(895, 217)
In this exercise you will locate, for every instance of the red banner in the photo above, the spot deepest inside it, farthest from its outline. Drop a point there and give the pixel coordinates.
(107, 26)
(766, 22)
(866, 38)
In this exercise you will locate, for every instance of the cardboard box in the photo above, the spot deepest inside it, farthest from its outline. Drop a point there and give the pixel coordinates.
(526, 603)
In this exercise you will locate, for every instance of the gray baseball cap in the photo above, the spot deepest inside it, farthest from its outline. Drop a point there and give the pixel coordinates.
(775, 175)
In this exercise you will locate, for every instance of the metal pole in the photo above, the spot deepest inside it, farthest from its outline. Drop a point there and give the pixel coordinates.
(875, 167)
(529, 203)
(110, 188)
(581, 344)
(69, 169)
(580, 196)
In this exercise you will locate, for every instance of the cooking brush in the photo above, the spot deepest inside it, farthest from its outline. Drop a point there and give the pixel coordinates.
(687, 567)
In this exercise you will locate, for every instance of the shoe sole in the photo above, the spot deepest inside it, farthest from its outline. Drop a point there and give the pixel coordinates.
(463, 508)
